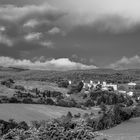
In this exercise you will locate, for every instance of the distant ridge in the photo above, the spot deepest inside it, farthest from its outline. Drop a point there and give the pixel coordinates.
(16, 69)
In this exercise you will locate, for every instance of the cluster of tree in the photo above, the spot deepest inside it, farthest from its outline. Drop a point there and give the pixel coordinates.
(8, 83)
(56, 98)
(63, 83)
(68, 127)
(75, 88)
(110, 98)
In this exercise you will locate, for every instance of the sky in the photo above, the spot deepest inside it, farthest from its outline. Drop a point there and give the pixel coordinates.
(70, 34)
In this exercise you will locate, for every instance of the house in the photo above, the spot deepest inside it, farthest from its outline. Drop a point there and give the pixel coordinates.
(106, 86)
(130, 93)
(122, 91)
(132, 84)
(70, 82)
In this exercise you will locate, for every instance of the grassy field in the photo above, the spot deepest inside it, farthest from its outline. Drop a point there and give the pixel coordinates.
(41, 85)
(129, 130)
(29, 112)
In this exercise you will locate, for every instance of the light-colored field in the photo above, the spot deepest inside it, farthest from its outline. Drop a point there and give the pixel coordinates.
(4, 91)
(41, 85)
(29, 112)
(129, 130)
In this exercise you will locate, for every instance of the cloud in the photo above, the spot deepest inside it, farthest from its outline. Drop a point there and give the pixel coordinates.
(127, 63)
(5, 40)
(48, 44)
(60, 64)
(114, 16)
(13, 14)
(54, 30)
(33, 36)
(27, 23)
(31, 23)
(2, 28)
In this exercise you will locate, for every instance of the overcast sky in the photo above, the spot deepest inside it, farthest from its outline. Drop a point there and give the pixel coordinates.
(70, 34)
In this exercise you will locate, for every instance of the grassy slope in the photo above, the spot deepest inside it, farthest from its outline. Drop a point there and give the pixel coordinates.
(129, 130)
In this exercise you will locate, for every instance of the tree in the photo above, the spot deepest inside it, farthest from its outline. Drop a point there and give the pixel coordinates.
(80, 86)
(69, 115)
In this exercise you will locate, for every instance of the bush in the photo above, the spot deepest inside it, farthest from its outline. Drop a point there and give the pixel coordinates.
(14, 100)
(49, 101)
(77, 115)
(19, 87)
(89, 103)
(27, 101)
(67, 103)
(63, 84)
(23, 125)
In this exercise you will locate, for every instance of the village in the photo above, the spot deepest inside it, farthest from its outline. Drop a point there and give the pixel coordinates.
(126, 89)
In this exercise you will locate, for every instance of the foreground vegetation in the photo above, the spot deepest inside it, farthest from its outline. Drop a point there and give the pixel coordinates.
(67, 127)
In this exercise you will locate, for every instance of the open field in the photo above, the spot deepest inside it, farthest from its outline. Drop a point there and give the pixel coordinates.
(129, 130)
(29, 112)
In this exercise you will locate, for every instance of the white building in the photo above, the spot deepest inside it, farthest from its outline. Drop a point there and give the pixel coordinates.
(70, 82)
(132, 84)
(130, 93)
(105, 86)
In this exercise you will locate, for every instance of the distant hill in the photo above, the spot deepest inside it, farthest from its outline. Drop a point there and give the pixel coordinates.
(16, 69)
(110, 75)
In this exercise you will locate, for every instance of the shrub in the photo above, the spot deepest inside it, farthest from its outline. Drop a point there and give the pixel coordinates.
(23, 125)
(77, 115)
(63, 84)
(19, 87)
(27, 101)
(89, 103)
(49, 101)
(13, 100)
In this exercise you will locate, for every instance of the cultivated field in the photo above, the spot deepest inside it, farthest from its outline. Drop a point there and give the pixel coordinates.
(30, 112)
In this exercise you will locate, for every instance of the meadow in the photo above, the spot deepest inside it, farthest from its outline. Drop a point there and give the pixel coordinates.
(30, 112)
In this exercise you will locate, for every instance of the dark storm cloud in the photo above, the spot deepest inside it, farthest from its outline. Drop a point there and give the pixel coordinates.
(15, 20)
